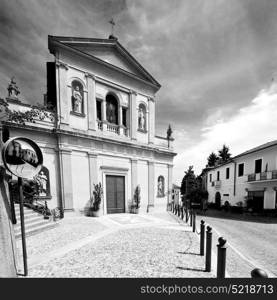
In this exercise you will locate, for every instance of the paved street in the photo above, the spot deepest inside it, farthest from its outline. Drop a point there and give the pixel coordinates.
(251, 244)
(121, 245)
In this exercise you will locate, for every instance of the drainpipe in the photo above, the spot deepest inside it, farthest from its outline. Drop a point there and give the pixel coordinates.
(235, 172)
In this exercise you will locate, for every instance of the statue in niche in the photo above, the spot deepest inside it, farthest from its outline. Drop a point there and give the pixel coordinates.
(77, 100)
(111, 117)
(141, 119)
(160, 186)
(43, 183)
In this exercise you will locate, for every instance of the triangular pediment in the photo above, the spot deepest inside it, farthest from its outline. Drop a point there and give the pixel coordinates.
(108, 51)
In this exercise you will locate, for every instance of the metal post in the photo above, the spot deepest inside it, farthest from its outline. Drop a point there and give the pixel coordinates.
(202, 237)
(23, 237)
(258, 273)
(190, 213)
(209, 236)
(193, 221)
(221, 257)
(182, 212)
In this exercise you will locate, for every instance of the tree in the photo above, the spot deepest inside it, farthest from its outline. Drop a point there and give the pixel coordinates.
(212, 159)
(188, 182)
(224, 153)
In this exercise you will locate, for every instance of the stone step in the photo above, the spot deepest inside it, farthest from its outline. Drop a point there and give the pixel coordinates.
(34, 222)
(29, 215)
(30, 220)
(37, 229)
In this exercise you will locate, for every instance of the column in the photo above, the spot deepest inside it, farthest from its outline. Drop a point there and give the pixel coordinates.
(134, 175)
(64, 103)
(133, 115)
(103, 112)
(169, 187)
(120, 121)
(151, 185)
(91, 102)
(93, 171)
(151, 123)
(66, 178)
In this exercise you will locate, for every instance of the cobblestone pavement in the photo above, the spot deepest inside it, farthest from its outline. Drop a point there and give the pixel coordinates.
(122, 245)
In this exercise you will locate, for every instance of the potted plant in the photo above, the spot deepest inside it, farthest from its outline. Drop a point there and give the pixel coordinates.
(95, 201)
(136, 203)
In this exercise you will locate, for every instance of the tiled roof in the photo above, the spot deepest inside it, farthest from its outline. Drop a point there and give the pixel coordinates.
(261, 147)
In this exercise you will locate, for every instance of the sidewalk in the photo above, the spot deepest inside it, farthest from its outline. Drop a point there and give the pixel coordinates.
(121, 245)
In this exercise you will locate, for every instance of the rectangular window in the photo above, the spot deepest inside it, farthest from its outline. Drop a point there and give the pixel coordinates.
(99, 110)
(241, 170)
(218, 175)
(258, 166)
(227, 173)
(211, 178)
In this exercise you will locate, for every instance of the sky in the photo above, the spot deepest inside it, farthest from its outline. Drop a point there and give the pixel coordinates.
(215, 59)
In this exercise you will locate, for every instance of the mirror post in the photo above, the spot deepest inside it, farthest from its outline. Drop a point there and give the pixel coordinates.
(23, 237)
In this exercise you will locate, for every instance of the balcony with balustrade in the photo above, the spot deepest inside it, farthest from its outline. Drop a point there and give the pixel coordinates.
(263, 176)
(113, 128)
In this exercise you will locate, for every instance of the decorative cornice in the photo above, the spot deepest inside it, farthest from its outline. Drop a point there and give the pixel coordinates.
(89, 75)
(92, 155)
(109, 168)
(132, 92)
(61, 64)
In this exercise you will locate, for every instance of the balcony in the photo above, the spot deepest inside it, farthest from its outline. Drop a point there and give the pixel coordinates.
(264, 176)
(113, 128)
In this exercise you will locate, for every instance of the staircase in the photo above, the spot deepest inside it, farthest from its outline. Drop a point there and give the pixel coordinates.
(34, 222)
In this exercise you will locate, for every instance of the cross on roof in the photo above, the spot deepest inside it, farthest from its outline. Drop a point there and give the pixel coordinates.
(112, 24)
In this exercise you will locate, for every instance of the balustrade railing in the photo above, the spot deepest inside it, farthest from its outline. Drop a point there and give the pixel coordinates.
(113, 128)
(269, 175)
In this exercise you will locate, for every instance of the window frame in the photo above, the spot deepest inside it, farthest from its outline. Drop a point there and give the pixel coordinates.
(241, 164)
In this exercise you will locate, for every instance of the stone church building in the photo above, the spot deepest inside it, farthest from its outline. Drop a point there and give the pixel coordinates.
(104, 131)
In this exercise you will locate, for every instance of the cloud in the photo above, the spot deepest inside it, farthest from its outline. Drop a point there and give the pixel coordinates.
(251, 126)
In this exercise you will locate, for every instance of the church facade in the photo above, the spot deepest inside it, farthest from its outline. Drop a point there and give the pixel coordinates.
(104, 131)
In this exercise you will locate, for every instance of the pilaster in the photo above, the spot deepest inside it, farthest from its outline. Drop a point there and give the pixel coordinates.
(169, 187)
(66, 178)
(151, 184)
(151, 117)
(91, 102)
(63, 97)
(93, 171)
(133, 115)
(134, 175)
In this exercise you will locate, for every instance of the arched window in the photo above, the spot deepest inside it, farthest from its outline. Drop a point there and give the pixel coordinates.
(160, 186)
(111, 109)
(142, 118)
(77, 97)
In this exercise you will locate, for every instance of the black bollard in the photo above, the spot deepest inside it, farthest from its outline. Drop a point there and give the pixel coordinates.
(190, 215)
(221, 257)
(182, 213)
(209, 236)
(202, 237)
(193, 221)
(178, 210)
(258, 273)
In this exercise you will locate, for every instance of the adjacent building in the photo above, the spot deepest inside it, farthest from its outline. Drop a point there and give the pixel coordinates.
(104, 129)
(248, 179)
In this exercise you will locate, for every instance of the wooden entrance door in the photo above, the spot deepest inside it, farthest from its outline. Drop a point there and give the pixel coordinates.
(115, 187)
